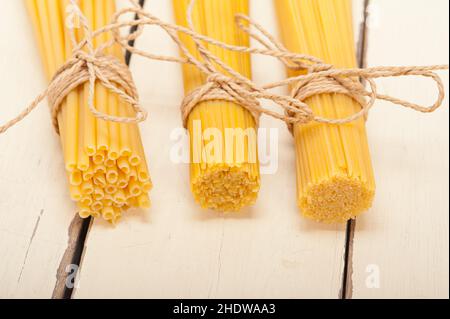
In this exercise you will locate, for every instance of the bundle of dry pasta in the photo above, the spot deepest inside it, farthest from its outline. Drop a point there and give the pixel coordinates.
(334, 171)
(105, 161)
(224, 161)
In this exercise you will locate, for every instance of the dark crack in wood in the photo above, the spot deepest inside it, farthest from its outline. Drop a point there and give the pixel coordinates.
(347, 280)
(78, 234)
(36, 226)
(78, 230)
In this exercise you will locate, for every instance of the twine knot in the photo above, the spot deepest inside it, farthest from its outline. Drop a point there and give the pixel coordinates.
(220, 87)
(105, 69)
(318, 83)
(325, 79)
(88, 65)
(238, 90)
(223, 83)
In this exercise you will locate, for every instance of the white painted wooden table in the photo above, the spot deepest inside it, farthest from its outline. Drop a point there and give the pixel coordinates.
(175, 250)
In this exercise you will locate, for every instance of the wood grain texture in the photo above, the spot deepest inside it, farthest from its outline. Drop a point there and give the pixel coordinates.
(176, 250)
(405, 239)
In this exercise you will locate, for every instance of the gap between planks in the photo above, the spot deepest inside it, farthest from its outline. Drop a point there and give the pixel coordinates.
(347, 279)
(78, 234)
(79, 229)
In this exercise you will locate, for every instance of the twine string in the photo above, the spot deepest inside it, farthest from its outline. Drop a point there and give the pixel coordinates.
(223, 82)
(227, 85)
(317, 78)
(87, 65)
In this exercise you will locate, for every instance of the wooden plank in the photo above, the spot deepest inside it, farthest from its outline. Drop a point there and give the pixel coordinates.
(35, 208)
(362, 9)
(401, 247)
(176, 250)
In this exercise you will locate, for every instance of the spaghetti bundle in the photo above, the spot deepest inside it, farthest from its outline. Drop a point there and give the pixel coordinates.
(224, 161)
(334, 171)
(104, 161)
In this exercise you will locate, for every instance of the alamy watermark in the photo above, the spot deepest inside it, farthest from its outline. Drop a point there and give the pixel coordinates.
(373, 279)
(72, 280)
(228, 146)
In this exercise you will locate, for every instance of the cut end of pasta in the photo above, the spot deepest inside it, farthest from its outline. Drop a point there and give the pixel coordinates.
(226, 189)
(105, 161)
(336, 200)
(109, 201)
(224, 155)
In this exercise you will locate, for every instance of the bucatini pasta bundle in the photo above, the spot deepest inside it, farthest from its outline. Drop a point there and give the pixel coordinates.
(224, 161)
(334, 171)
(105, 161)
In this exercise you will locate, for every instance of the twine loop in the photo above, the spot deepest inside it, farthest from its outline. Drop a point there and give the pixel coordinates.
(234, 87)
(223, 82)
(317, 78)
(87, 68)
(321, 78)
(87, 65)
(219, 87)
(317, 83)
(349, 82)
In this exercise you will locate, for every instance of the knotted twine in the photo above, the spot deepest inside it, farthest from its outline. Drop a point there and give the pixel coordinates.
(90, 65)
(226, 84)
(87, 65)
